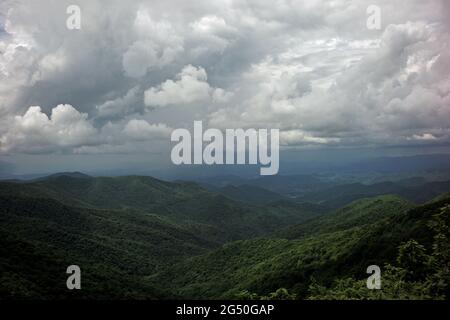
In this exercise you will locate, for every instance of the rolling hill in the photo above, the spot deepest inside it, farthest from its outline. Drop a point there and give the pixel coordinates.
(247, 193)
(41, 237)
(138, 237)
(339, 245)
(185, 203)
(118, 230)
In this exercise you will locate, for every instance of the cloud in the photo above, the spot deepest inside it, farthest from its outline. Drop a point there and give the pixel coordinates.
(424, 137)
(158, 44)
(190, 85)
(69, 131)
(391, 93)
(131, 102)
(212, 34)
(298, 137)
(35, 132)
(139, 129)
(310, 68)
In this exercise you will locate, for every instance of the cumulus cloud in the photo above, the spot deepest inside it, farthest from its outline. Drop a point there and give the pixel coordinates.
(158, 44)
(68, 130)
(139, 129)
(212, 34)
(391, 94)
(190, 85)
(36, 132)
(310, 68)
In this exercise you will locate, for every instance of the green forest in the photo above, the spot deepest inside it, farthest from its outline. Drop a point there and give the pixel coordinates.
(137, 237)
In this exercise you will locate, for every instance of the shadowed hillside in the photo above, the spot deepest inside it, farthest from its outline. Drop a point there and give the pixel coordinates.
(139, 237)
(185, 203)
(340, 245)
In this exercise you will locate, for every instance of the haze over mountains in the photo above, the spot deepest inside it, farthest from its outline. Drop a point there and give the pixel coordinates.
(324, 191)
(140, 237)
(340, 164)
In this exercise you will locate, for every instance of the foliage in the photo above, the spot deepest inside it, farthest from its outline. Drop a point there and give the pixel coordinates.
(418, 276)
(280, 294)
(142, 238)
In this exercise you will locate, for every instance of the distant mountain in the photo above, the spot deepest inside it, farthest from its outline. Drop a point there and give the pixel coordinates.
(288, 207)
(338, 196)
(222, 180)
(74, 174)
(327, 192)
(184, 202)
(249, 193)
(290, 185)
(403, 164)
(412, 182)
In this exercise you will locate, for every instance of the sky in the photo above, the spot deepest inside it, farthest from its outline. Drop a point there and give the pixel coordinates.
(108, 95)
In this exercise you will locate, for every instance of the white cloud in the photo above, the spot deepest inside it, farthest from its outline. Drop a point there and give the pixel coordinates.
(424, 137)
(298, 137)
(310, 68)
(139, 129)
(191, 85)
(158, 44)
(212, 34)
(70, 131)
(389, 94)
(36, 132)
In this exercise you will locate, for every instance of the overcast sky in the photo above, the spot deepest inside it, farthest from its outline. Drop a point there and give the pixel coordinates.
(114, 90)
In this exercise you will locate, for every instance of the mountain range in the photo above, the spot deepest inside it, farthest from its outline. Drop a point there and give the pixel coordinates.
(137, 237)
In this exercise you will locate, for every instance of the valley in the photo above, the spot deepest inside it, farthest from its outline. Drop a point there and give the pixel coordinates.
(137, 237)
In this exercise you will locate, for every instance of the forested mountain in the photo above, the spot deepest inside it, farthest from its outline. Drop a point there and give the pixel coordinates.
(42, 237)
(138, 237)
(314, 259)
(183, 202)
(247, 193)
